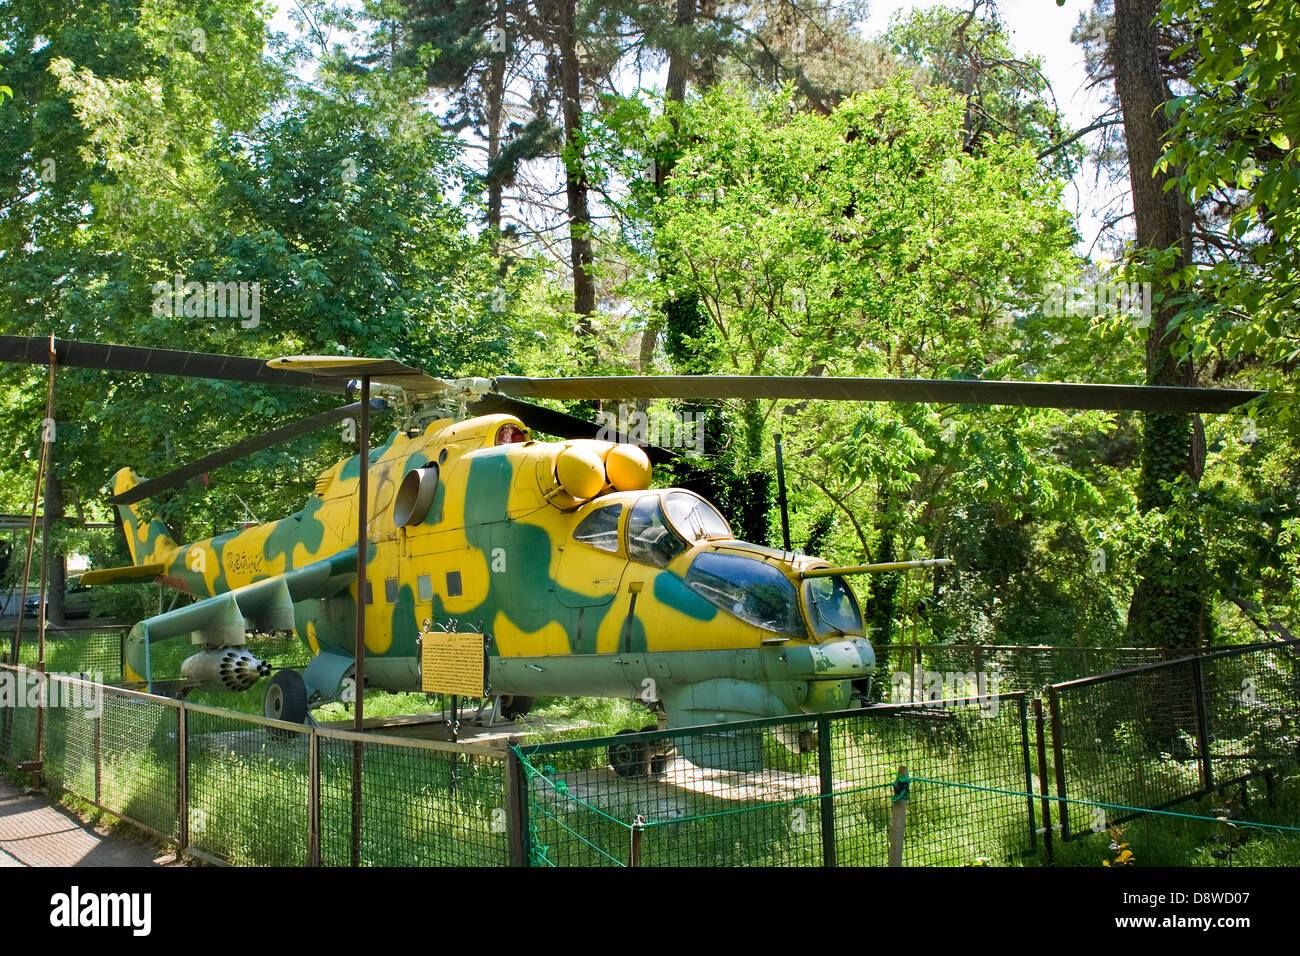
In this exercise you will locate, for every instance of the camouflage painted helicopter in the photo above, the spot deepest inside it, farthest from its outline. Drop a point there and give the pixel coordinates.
(573, 576)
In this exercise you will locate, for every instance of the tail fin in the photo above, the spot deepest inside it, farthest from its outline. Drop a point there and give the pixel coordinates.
(146, 535)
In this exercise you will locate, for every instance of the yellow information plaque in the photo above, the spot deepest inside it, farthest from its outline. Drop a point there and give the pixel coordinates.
(453, 664)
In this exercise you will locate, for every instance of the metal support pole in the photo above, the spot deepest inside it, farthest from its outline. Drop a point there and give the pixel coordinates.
(1023, 707)
(47, 465)
(313, 798)
(359, 649)
(516, 785)
(363, 545)
(97, 729)
(780, 496)
(827, 788)
(634, 855)
(1202, 723)
(182, 777)
(31, 531)
(1058, 757)
(898, 817)
(1046, 803)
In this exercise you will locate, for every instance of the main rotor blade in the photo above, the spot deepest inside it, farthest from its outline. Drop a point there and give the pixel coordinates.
(1147, 398)
(347, 368)
(560, 423)
(232, 453)
(35, 349)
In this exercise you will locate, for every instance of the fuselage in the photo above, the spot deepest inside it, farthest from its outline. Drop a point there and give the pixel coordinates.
(624, 584)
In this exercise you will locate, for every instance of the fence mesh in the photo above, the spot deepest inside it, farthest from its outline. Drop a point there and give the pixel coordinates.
(1152, 737)
(139, 759)
(903, 670)
(248, 789)
(279, 650)
(420, 806)
(18, 720)
(72, 736)
(99, 651)
(96, 651)
(764, 793)
(1186, 758)
(983, 744)
(1251, 709)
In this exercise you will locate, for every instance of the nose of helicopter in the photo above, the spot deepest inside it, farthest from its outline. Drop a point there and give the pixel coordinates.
(849, 657)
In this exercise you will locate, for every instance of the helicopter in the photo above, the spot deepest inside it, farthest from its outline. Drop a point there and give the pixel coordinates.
(498, 565)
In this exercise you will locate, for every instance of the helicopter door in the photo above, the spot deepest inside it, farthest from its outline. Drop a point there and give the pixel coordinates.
(591, 563)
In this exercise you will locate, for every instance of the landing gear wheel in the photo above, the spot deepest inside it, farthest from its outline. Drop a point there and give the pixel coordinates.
(286, 698)
(661, 751)
(630, 759)
(513, 707)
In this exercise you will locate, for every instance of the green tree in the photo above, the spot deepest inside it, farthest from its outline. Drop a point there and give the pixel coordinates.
(332, 197)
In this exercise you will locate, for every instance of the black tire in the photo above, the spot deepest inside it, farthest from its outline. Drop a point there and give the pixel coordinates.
(513, 706)
(631, 759)
(661, 751)
(286, 698)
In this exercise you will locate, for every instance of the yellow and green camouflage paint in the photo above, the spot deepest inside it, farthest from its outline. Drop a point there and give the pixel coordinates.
(585, 581)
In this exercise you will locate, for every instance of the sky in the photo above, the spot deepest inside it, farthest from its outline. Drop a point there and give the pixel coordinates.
(1038, 27)
(1042, 28)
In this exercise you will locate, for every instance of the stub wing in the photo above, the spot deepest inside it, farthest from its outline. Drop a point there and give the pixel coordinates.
(226, 619)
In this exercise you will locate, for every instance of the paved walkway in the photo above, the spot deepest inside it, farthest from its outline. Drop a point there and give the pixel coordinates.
(34, 832)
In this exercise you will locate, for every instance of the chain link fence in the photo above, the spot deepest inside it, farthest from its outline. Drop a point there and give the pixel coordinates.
(806, 791)
(241, 789)
(442, 805)
(97, 651)
(906, 672)
(994, 779)
(101, 651)
(1162, 734)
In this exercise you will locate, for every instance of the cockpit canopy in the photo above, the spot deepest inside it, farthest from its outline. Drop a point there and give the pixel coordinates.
(752, 590)
(659, 526)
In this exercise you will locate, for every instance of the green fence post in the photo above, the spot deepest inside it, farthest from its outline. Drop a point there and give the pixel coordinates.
(182, 778)
(517, 800)
(1202, 724)
(827, 788)
(313, 798)
(1058, 755)
(1023, 706)
(1042, 777)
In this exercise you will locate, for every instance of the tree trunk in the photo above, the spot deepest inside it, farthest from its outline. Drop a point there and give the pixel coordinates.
(1169, 606)
(496, 96)
(576, 187)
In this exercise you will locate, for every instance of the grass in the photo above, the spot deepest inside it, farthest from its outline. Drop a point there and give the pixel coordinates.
(248, 801)
(248, 790)
(1163, 840)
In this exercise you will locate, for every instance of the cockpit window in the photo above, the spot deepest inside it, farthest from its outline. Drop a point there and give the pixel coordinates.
(600, 528)
(649, 540)
(694, 518)
(832, 607)
(750, 589)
